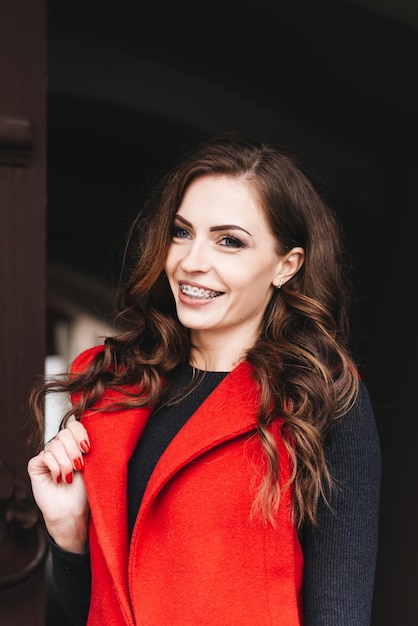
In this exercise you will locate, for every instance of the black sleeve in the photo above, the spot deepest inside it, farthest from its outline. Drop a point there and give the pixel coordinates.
(72, 577)
(340, 552)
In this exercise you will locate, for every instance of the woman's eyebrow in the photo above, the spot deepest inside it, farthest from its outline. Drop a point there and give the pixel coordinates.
(228, 227)
(183, 220)
(212, 228)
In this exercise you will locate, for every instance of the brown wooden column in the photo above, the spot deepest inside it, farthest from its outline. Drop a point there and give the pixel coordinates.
(22, 298)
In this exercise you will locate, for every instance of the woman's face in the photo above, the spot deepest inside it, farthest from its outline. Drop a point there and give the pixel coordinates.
(222, 264)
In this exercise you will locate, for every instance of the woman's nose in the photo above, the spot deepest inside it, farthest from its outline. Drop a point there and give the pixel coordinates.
(196, 257)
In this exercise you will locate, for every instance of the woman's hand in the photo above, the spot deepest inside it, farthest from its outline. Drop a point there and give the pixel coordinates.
(58, 487)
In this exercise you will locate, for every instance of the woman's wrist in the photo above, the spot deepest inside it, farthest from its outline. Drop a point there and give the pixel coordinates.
(71, 535)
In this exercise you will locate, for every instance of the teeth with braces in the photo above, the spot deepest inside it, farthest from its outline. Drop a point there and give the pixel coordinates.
(195, 292)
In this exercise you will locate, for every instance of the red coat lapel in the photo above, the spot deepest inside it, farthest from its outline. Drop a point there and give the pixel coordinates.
(113, 437)
(230, 411)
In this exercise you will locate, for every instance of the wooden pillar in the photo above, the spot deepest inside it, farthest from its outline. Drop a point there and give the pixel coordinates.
(22, 299)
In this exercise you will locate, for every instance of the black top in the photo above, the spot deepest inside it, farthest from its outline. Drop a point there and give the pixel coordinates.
(340, 553)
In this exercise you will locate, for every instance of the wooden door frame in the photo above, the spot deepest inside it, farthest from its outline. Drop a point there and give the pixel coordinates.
(23, 71)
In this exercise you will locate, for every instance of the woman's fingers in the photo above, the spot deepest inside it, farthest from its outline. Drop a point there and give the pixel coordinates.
(66, 456)
(80, 435)
(66, 451)
(42, 465)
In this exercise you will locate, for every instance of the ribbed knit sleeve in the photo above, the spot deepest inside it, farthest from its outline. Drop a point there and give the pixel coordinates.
(72, 578)
(340, 553)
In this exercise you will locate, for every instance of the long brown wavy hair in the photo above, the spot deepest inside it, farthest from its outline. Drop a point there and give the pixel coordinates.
(301, 358)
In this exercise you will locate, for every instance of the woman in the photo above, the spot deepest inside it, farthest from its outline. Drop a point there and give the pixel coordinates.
(220, 464)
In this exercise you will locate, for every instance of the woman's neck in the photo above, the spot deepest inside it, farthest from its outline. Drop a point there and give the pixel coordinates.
(212, 360)
(220, 350)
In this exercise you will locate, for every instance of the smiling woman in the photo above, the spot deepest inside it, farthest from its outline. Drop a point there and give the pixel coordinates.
(223, 266)
(219, 463)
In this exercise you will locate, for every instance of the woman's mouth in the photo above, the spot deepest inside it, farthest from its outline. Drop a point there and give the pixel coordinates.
(198, 292)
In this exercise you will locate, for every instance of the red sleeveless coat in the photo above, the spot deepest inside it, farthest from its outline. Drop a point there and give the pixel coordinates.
(197, 557)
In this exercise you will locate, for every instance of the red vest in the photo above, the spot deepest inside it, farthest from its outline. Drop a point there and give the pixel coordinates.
(197, 557)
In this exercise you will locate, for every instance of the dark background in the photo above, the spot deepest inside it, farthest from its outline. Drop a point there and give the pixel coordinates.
(132, 84)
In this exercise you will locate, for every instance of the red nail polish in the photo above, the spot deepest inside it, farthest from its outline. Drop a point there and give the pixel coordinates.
(58, 479)
(78, 463)
(84, 445)
(69, 478)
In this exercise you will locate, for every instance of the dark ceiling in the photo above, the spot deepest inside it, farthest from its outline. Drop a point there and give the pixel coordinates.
(132, 84)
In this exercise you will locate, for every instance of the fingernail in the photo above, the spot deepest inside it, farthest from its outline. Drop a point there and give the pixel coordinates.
(78, 463)
(69, 478)
(84, 445)
(58, 479)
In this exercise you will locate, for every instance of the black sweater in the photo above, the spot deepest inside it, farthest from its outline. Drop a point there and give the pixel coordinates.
(340, 553)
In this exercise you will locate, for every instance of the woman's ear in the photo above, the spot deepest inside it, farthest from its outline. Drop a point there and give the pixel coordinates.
(290, 263)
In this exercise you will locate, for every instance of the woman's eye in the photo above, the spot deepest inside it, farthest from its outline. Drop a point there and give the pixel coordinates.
(231, 242)
(178, 232)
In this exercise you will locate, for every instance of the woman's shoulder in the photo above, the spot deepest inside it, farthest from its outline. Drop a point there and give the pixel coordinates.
(362, 404)
(85, 358)
(355, 433)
